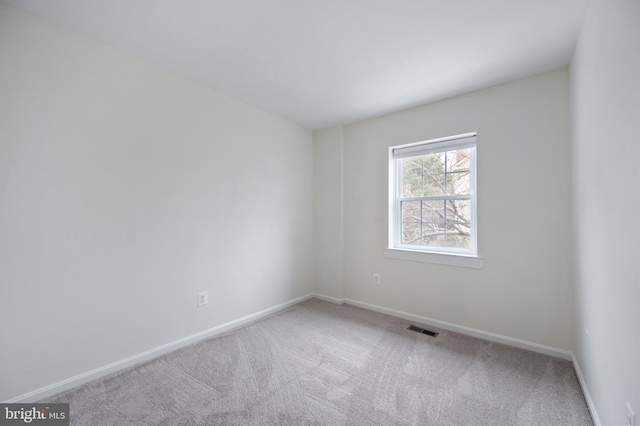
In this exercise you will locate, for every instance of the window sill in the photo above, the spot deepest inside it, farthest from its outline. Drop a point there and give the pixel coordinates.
(464, 261)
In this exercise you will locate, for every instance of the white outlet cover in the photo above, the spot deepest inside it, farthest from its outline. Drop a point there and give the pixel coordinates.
(203, 298)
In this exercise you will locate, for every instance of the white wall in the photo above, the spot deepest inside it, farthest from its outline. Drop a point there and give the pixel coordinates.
(124, 191)
(327, 212)
(524, 203)
(605, 95)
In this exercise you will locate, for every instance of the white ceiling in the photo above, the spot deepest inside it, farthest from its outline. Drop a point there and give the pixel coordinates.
(321, 63)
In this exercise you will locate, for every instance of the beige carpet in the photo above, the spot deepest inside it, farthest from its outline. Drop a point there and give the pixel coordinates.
(321, 364)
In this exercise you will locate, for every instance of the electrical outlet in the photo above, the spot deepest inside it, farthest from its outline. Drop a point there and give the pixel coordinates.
(631, 416)
(376, 278)
(203, 298)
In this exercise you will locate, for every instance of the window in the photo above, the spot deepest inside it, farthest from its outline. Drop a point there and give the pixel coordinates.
(432, 197)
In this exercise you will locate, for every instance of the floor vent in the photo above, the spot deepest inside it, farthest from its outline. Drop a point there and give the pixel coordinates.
(423, 331)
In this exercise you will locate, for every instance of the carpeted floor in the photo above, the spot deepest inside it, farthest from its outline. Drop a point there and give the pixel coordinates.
(317, 363)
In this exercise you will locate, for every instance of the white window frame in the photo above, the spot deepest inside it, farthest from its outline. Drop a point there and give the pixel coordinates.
(442, 255)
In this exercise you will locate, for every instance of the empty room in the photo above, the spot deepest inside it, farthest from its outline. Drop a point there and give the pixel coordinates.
(279, 212)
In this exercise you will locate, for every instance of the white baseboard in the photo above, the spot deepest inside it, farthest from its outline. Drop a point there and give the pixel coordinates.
(485, 335)
(328, 298)
(83, 378)
(585, 392)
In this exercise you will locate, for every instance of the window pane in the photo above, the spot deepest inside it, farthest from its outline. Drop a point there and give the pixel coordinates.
(434, 163)
(434, 185)
(412, 186)
(411, 234)
(433, 235)
(458, 160)
(412, 166)
(459, 223)
(433, 211)
(411, 211)
(458, 183)
(459, 211)
(460, 241)
(458, 235)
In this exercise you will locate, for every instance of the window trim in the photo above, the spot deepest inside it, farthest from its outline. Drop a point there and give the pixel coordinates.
(444, 255)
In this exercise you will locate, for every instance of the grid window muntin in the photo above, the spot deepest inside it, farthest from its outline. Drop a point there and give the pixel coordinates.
(433, 206)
